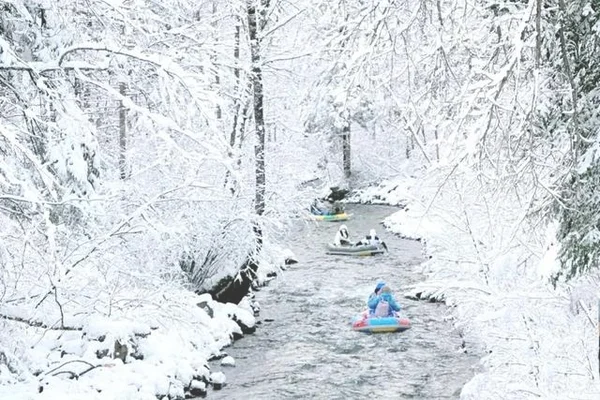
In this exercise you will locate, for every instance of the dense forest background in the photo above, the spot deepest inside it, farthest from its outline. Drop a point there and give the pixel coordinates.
(149, 147)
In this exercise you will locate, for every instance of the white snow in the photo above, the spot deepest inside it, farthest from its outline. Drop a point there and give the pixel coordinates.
(538, 337)
(244, 316)
(412, 222)
(122, 191)
(228, 361)
(174, 354)
(217, 377)
(391, 192)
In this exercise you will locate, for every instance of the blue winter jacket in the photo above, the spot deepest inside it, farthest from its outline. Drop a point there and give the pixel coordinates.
(374, 300)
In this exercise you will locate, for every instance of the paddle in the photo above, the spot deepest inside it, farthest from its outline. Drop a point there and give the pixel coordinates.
(385, 246)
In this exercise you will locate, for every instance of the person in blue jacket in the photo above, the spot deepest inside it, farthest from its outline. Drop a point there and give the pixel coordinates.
(375, 293)
(383, 293)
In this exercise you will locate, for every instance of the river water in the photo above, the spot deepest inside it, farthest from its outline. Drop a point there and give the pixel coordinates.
(304, 347)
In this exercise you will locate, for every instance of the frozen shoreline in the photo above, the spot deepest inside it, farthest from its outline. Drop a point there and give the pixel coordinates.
(160, 348)
(540, 342)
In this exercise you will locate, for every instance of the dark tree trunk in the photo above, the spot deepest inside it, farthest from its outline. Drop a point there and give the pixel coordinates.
(437, 145)
(218, 112)
(122, 134)
(259, 120)
(538, 32)
(236, 103)
(236, 289)
(232, 290)
(346, 151)
(236, 72)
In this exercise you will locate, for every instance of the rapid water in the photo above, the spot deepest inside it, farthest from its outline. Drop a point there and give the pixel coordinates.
(304, 347)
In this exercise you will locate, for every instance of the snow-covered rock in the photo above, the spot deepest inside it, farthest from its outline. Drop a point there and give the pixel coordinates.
(244, 318)
(197, 388)
(392, 192)
(288, 257)
(217, 380)
(228, 361)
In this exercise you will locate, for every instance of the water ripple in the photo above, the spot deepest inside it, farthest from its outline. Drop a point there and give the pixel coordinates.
(308, 349)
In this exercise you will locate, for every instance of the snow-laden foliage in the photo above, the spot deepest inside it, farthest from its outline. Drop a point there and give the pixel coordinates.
(127, 172)
(576, 24)
(539, 341)
(121, 193)
(500, 152)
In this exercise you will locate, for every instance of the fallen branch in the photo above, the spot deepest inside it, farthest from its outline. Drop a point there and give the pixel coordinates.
(587, 312)
(39, 324)
(69, 362)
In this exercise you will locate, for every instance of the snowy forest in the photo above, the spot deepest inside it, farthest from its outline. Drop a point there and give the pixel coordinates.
(154, 155)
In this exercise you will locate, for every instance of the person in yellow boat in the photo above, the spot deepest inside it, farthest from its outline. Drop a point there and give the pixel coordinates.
(319, 207)
(337, 208)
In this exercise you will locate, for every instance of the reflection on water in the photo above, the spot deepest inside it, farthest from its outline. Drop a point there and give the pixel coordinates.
(308, 349)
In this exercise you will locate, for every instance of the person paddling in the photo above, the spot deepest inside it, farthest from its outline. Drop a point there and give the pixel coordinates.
(341, 237)
(373, 240)
(381, 302)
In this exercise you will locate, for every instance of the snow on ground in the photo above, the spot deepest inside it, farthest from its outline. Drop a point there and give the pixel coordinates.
(273, 260)
(412, 222)
(154, 339)
(161, 350)
(228, 361)
(538, 341)
(391, 192)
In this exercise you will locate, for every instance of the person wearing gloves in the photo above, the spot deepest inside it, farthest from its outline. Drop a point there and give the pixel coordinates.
(382, 302)
(373, 240)
(341, 237)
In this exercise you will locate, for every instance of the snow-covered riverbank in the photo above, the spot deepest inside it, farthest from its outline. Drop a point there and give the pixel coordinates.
(541, 341)
(156, 348)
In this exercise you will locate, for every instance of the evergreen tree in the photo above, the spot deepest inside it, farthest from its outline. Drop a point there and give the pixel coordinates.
(576, 26)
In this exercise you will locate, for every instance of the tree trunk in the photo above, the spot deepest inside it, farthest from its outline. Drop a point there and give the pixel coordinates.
(218, 111)
(346, 150)
(236, 72)
(259, 123)
(572, 84)
(237, 102)
(122, 134)
(259, 120)
(437, 145)
(242, 130)
(233, 290)
(538, 32)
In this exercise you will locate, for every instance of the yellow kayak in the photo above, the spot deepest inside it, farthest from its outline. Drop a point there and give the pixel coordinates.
(332, 218)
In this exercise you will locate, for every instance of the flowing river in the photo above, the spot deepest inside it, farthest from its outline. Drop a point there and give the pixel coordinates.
(304, 347)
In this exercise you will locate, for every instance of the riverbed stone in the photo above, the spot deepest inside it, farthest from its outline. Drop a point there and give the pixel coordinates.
(228, 361)
(197, 388)
(217, 380)
(337, 193)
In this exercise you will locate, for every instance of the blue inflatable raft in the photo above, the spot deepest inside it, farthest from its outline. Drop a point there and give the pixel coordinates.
(371, 324)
